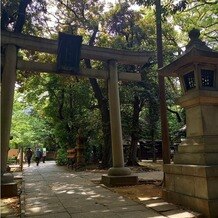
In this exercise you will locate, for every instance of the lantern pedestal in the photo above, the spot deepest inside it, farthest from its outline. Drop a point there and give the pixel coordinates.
(193, 186)
(193, 178)
(201, 145)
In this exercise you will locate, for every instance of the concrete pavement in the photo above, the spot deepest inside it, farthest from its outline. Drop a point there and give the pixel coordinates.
(54, 191)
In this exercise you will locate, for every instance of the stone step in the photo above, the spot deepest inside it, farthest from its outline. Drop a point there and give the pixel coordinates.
(196, 158)
(198, 148)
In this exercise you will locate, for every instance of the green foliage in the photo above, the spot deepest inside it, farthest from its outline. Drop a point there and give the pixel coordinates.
(61, 158)
(28, 128)
(201, 15)
(67, 108)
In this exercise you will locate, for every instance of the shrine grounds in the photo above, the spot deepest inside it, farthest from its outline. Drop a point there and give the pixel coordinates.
(57, 191)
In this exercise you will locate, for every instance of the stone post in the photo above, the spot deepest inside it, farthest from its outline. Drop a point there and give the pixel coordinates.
(121, 173)
(115, 117)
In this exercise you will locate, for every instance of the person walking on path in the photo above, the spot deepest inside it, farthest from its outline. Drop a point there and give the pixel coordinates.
(38, 155)
(43, 154)
(29, 155)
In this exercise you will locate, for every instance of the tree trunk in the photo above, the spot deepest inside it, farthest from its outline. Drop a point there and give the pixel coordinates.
(132, 158)
(153, 147)
(162, 94)
(106, 156)
(21, 16)
(153, 119)
(105, 118)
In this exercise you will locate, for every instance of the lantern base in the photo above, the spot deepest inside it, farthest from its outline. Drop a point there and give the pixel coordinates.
(192, 186)
(198, 151)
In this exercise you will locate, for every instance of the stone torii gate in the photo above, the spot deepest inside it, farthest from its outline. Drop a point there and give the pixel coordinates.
(13, 41)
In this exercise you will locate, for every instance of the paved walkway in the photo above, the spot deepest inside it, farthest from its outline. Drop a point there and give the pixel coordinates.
(54, 191)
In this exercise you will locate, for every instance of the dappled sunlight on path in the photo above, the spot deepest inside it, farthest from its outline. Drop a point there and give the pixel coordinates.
(55, 191)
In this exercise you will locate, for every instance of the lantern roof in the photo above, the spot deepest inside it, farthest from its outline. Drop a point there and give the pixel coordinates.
(196, 52)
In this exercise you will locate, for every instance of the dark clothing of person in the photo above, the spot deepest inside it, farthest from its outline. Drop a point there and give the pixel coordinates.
(38, 156)
(43, 159)
(43, 155)
(29, 155)
(37, 161)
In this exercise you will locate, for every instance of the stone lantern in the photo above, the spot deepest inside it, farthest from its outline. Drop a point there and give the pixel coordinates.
(192, 180)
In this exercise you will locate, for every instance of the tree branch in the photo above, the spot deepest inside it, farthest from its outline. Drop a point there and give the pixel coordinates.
(21, 16)
(177, 114)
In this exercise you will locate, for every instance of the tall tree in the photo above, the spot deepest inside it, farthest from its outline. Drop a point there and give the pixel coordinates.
(85, 17)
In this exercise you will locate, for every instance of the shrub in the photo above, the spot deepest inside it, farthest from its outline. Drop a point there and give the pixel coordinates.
(61, 158)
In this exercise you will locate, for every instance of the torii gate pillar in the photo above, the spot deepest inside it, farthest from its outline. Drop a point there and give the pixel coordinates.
(7, 93)
(118, 174)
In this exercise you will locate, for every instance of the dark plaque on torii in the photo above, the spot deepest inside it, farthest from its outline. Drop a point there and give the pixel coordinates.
(68, 57)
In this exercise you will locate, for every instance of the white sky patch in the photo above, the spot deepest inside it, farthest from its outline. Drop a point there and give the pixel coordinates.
(177, 28)
(111, 1)
(44, 94)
